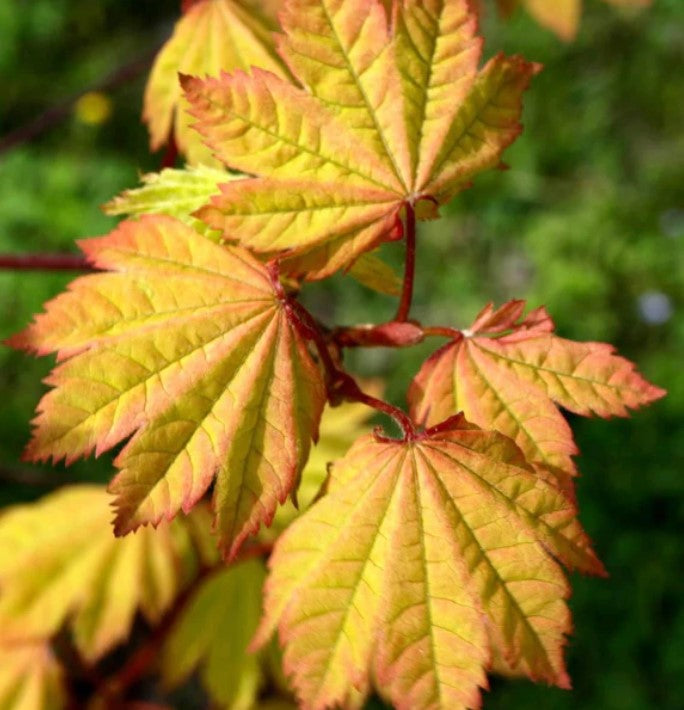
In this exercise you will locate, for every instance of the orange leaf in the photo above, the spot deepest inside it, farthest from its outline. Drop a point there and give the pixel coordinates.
(385, 118)
(188, 346)
(420, 557)
(506, 373)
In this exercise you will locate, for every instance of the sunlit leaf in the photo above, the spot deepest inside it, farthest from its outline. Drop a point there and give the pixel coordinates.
(189, 346)
(214, 35)
(179, 193)
(421, 555)
(176, 193)
(213, 633)
(60, 562)
(506, 372)
(384, 119)
(30, 678)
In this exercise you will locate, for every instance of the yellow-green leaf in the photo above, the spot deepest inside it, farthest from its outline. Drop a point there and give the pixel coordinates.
(214, 35)
(213, 633)
(506, 373)
(389, 115)
(176, 193)
(60, 563)
(421, 556)
(188, 346)
(371, 271)
(30, 677)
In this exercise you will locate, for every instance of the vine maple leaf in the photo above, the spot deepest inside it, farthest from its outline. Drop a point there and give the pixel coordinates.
(422, 555)
(388, 119)
(211, 36)
(60, 563)
(506, 372)
(192, 347)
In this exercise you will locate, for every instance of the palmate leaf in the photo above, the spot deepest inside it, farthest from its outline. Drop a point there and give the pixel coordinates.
(60, 563)
(30, 677)
(213, 633)
(179, 193)
(385, 118)
(173, 192)
(213, 35)
(420, 557)
(189, 346)
(506, 372)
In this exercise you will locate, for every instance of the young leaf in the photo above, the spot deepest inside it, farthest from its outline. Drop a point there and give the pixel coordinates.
(190, 346)
(506, 372)
(213, 35)
(179, 193)
(59, 562)
(213, 634)
(30, 678)
(421, 555)
(384, 119)
(176, 193)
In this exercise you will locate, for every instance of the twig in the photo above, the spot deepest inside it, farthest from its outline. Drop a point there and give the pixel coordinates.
(45, 262)
(410, 265)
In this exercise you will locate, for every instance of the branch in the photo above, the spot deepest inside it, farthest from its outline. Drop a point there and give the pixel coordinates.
(341, 385)
(45, 262)
(410, 266)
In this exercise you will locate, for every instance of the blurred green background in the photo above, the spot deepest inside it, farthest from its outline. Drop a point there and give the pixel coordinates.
(589, 220)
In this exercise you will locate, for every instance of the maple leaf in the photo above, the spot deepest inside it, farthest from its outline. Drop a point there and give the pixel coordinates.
(506, 372)
(30, 678)
(179, 193)
(385, 119)
(421, 555)
(212, 35)
(173, 192)
(190, 346)
(213, 633)
(59, 562)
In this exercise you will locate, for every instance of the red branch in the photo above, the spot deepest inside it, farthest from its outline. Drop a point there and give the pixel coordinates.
(410, 265)
(44, 262)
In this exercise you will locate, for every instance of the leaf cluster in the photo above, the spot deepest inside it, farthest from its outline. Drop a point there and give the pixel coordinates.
(424, 561)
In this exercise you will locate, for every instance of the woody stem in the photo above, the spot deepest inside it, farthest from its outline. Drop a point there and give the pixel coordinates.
(410, 265)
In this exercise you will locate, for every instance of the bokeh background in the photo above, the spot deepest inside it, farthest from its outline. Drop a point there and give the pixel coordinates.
(589, 220)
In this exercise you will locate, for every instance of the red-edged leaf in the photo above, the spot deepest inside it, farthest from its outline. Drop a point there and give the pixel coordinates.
(420, 557)
(189, 346)
(506, 372)
(385, 117)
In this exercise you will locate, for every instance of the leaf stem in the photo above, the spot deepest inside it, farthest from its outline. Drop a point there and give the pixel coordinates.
(44, 262)
(340, 384)
(410, 265)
